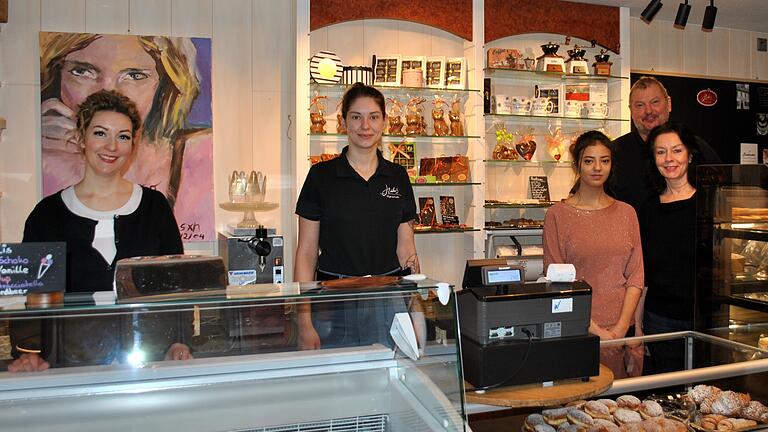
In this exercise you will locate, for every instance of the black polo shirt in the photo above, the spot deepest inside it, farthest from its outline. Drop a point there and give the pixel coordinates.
(358, 218)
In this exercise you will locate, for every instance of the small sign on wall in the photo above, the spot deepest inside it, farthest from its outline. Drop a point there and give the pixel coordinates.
(748, 154)
(539, 187)
(32, 267)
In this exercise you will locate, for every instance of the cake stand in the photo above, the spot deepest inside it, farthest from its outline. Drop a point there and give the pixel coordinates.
(248, 208)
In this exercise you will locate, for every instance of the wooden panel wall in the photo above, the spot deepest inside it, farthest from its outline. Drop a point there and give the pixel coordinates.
(727, 53)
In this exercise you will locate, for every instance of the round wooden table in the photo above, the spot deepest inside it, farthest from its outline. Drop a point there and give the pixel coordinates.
(534, 395)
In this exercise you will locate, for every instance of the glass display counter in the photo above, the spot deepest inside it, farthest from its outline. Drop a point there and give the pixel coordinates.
(695, 358)
(732, 250)
(108, 370)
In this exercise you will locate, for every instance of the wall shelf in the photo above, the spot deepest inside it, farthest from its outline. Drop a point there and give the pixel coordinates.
(444, 184)
(517, 205)
(395, 138)
(520, 162)
(528, 118)
(546, 76)
(444, 230)
(339, 89)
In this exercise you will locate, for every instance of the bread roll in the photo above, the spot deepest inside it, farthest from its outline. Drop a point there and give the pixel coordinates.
(730, 424)
(701, 392)
(730, 404)
(754, 411)
(710, 421)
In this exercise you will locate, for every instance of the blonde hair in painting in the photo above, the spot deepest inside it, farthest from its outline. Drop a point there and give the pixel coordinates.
(175, 59)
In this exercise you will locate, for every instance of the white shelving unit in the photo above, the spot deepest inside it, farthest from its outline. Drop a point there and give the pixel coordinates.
(355, 42)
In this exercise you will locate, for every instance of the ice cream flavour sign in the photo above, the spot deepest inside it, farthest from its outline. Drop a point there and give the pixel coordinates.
(32, 267)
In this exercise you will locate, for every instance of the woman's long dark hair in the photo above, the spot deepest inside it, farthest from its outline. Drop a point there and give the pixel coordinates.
(588, 139)
(657, 181)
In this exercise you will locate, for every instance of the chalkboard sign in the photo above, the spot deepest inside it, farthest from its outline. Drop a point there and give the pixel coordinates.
(725, 113)
(32, 267)
(539, 187)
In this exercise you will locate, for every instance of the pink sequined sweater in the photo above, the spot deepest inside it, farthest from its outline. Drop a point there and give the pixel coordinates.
(604, 246)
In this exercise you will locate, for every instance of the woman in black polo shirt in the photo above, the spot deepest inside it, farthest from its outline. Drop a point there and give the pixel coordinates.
(358, 209)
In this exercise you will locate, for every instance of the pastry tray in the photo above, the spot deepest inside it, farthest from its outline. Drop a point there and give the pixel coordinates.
(678, 408)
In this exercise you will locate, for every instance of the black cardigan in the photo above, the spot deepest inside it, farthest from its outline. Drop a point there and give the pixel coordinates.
(668, 232)
(150, 230)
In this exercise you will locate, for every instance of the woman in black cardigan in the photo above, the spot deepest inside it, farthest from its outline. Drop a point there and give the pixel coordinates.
(668, 232)
(102, 219)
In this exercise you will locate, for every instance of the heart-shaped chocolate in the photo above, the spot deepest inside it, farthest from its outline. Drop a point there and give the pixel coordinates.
(526, 149)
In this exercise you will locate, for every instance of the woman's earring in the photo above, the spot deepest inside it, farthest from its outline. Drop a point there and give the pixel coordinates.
(690, 159)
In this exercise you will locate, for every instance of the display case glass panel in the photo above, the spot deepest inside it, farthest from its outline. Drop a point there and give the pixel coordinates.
(109, 368)
(732, 248)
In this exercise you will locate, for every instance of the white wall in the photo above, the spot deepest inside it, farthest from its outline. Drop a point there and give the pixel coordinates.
(727, 53)
(253, 89)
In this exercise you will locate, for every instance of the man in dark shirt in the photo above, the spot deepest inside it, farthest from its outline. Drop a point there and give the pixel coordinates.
(649, 105)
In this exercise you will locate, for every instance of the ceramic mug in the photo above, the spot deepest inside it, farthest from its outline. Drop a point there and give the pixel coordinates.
(520, 105)
(597, 110)
(502, 104)
(542, 106)
(573, 108)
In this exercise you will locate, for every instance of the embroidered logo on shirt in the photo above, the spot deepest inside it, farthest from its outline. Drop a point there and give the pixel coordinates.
(390, 192)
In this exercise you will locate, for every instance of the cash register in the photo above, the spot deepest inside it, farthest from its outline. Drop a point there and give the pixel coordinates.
(515, 332)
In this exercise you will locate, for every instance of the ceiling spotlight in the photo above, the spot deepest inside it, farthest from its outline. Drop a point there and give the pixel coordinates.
(682, 15)
(710, 13)
(650, 11)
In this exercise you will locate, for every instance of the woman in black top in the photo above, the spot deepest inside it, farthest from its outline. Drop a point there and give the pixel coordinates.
(668, 230)
(102, 219)
(358, 209)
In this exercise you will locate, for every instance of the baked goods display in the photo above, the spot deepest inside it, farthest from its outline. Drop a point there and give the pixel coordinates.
(749, 214)
(626, 413)
(515, 223)
(521, 202)
(703, 408)
(725, 410)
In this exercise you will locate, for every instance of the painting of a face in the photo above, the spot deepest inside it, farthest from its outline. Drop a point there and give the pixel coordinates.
(111, 62)
(168, 78)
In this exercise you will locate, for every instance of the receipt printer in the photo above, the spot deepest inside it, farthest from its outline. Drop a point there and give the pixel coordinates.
(515, 332)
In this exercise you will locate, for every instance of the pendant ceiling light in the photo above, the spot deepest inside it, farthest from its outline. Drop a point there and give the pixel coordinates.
(682, 15)
(650, 11)
(710, 13)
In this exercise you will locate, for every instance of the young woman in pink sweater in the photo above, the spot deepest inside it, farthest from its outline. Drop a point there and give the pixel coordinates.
(600, 236)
